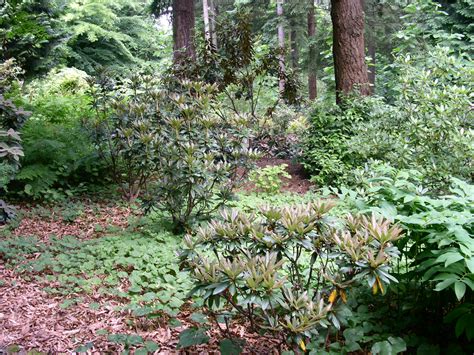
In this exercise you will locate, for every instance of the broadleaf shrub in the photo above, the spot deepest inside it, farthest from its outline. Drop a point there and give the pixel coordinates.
(438, 245)
(170, 145)
(287, 271)
(12, 119)
(426, 125)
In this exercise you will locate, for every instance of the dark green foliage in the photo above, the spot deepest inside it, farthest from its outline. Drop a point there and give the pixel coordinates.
(27, 31)
(57, 159)
(60, 155)
(12, 118)
(439, 245)
(192, 336)
(461, 21)
(114, 34)
(231, 346)
(326, 149)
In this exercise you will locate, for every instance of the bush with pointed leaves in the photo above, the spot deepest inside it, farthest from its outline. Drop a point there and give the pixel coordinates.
(288, 270)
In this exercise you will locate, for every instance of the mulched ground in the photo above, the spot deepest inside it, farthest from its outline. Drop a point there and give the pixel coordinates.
(34, 320)
(88, 225)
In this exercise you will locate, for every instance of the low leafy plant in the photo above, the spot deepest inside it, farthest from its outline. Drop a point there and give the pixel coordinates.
(155, 287)
(269, 178)
(287, 271)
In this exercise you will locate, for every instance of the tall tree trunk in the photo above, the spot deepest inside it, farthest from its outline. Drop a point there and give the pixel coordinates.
(371, 35)
(312, 60)
(281, 44)
(212, 18)
(294, 48)
(371, 52)
(183, 29)
(348, 48)
(205, 16)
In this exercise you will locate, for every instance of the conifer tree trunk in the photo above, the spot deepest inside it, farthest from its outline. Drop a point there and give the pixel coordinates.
(183, 29)
(348, 48)
(312, 60)
(281, 44)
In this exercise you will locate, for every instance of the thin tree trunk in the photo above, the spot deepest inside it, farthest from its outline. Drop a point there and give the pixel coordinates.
(183, 29)
(281, 44)
(370, 34)
(212, 18)
(294, 48)
(371, 52)
(312, 60)
(348, 48)
(205, 15)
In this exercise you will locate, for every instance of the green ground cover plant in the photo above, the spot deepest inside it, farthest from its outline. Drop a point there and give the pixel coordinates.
(155, 286)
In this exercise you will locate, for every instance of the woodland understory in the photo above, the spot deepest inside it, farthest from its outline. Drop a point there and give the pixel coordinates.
(217, 176)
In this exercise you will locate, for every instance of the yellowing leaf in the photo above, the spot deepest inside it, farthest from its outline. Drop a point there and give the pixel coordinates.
(380, 284)
(302, 345)
(375, 289)
(333, 296)
(343, 296)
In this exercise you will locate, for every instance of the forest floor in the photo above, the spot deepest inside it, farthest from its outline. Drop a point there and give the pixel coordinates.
(33, 319)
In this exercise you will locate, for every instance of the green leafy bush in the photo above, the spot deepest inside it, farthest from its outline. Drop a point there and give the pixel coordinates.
(326, 148)
(427, 127)
(438, 245)
(430, 126)
(268, 179)
(287, 271)
(126, 130)
(171, 145)
(59, 154)
(12, 119)
(57, 158)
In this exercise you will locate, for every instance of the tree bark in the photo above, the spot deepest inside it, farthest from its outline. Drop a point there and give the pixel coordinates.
(294, 48)
(312, 60)
(212, 19)
(183, 29)
(370, 34)
(205, 16)
(348, 48)
(281, 44)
